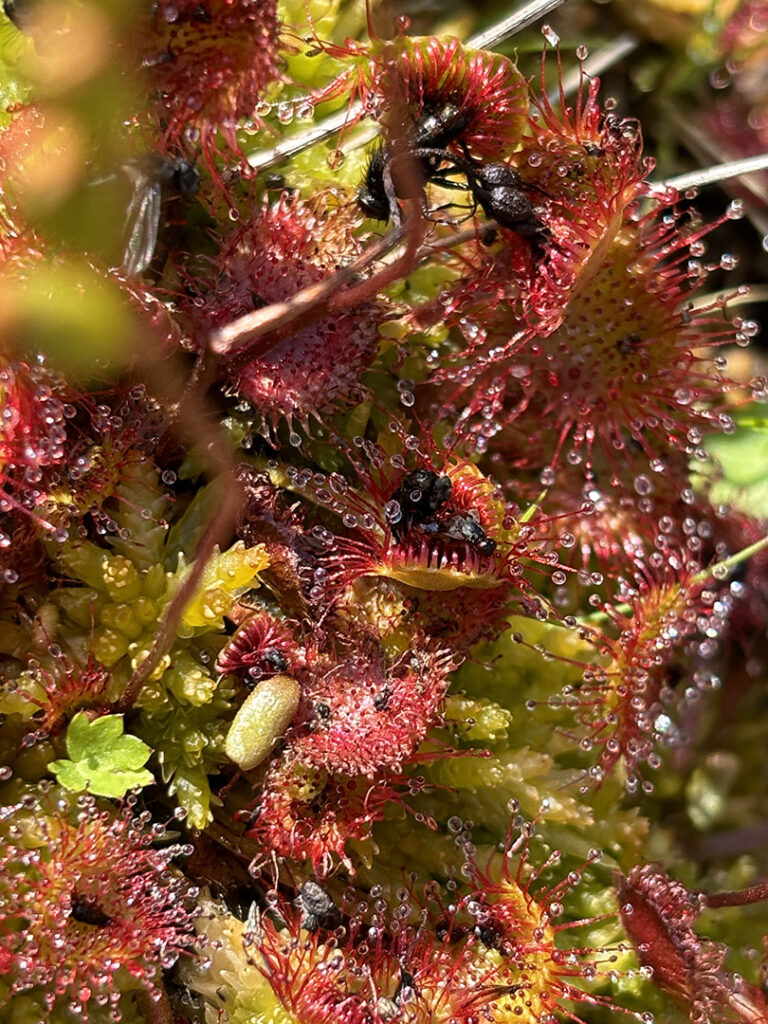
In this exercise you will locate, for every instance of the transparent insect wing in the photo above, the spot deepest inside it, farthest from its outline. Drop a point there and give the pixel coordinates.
(142, 223)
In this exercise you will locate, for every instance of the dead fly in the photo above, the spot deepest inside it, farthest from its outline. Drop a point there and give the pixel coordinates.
(317, 908)
(152, 177)
(381, 187)
(496, 188)
(420, 494)
(86, 910)
(466, 529)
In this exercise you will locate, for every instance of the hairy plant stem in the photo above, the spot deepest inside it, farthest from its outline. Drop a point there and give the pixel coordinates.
(185, 397)
(738, 898)
(242, 333)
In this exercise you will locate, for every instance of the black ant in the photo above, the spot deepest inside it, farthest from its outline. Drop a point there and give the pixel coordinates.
(500, 192)
(496, 188)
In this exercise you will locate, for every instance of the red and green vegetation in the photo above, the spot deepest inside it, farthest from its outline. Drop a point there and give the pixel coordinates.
(383, 512)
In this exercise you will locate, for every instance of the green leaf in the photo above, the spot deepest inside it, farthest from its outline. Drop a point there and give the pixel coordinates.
(68, 774)
(131, 755)
(92, 739)
(104, 761)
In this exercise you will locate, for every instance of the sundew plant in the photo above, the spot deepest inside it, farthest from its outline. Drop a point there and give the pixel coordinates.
(383, 512)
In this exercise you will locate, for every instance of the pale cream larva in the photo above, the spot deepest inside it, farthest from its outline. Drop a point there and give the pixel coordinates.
(262, 719)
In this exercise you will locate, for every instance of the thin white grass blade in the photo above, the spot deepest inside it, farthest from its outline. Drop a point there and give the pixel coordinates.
(516, 22)
(263, 159)
(711, 175)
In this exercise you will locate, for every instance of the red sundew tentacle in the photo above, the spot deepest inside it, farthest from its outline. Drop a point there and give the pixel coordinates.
(590, 150)
(261, 644)
(488, 91)
(307, 815)
(64, 686)
(422, 962)
(668, 609)
(470, 541)
(34, 451)
(210, 64)
(658, 914)
(32, 432)
(355, 78)
(588, 164)
(92, 900)
(613, 355)
(519, 920)
(309, 368)
(665, 620)
(365, 717)
(364, 974)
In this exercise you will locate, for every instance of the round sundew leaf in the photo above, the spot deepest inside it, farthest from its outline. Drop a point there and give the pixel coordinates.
(486, 88)
(438, 579)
